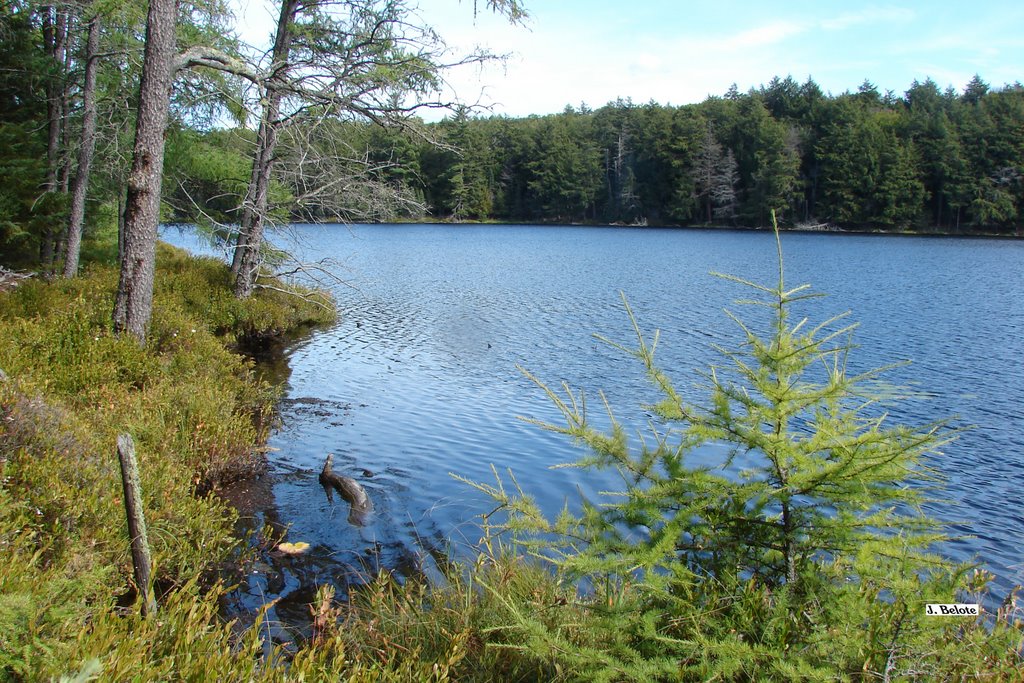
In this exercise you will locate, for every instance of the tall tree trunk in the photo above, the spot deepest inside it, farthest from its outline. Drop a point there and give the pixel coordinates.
(55, 42)
(66, 53)
(245, 263)
(249, 202)
(80, 185)
(64, 160)
(789, 544)
(122, 194)
(133, 306)
(247, 254)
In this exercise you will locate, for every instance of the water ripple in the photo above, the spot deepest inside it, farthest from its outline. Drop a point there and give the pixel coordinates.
(418, 379)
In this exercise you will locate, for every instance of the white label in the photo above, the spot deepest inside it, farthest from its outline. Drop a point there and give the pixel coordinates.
(952, 610)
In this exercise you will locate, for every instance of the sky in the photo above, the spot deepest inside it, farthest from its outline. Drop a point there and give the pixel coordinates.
(574, 52)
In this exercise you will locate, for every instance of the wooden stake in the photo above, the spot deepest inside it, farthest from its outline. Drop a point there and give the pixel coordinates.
(136, 521)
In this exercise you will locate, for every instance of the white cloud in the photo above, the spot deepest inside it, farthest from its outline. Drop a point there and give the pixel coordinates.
(572, 52)
(868, 15)
(768, 34)
(558, 67)
(643, 62)
(256, 21)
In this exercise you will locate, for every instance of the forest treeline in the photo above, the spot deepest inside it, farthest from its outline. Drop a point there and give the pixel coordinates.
(927, 160)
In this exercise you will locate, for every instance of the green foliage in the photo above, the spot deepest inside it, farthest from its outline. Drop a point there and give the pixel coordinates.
(466, 629)
(200, 287)
(24, 210)
(458, 181)
(22, 172)
(863, 160)
(870, 174)
(564, 169)
(205, 176)
(860, 160)
(799, 554)
(187, 641)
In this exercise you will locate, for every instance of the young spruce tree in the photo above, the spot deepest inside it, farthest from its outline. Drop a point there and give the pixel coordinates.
(802, 554)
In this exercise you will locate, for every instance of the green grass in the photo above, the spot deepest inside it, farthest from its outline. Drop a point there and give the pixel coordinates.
(195, 409)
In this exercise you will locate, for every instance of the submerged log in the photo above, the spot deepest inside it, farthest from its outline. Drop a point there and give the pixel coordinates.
(349, 489)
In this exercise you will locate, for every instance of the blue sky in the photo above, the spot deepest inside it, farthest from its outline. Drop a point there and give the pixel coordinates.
(578, 51)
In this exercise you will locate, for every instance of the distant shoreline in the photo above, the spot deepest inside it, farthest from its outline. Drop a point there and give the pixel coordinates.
(831, 230)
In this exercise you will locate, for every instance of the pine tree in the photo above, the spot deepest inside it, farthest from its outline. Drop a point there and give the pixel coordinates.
(716, 173)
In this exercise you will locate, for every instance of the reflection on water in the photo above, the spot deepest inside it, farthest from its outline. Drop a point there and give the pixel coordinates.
(418, 378)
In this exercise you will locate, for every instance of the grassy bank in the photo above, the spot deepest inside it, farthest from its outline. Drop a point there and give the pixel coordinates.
(647, 610)
(197, 415)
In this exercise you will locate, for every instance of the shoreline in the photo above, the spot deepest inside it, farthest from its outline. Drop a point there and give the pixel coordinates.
(829, 230)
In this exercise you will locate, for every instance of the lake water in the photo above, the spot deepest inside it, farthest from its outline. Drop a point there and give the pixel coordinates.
(418, 380)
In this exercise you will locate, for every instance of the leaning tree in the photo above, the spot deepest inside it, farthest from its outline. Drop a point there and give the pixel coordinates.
(369, 61)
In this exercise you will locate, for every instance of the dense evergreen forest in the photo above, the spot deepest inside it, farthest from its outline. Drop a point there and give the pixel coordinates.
(929, 160)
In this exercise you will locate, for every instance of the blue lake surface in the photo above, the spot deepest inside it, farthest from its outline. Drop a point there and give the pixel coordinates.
(418, 378)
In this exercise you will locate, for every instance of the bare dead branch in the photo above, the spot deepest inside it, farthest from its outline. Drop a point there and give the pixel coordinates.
(215, 59)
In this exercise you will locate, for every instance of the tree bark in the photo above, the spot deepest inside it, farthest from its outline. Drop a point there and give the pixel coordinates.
(66, 53)
(80, 185)
(55, 42)
(257, 202)
(789, 543)
(133, 306)
(248, 203)
(122, 194)
(64, 168)
(136, 518)
(245, 263)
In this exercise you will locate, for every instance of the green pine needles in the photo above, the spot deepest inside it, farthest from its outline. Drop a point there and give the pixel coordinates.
(802, 553)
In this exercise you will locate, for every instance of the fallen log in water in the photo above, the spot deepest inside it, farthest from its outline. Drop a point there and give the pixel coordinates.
(349, 489)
